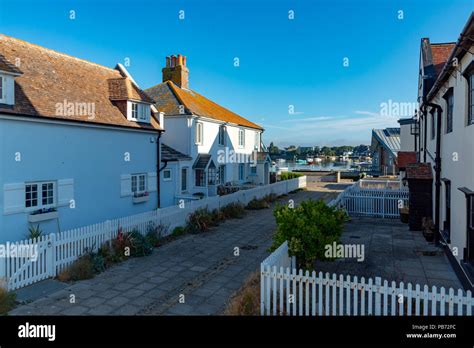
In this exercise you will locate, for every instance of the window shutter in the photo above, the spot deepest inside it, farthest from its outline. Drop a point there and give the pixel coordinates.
(152, 182)
(125, 185)
(65, 191)
(14, 198)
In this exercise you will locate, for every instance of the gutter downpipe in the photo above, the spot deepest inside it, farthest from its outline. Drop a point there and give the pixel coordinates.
(437, 169)
(158, 158)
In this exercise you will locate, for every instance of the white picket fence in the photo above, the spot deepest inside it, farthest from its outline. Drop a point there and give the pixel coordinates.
(369, 202)
(286, 291)
(57, 251)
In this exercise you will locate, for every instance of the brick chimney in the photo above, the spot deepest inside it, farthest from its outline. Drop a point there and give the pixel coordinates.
(176, 71)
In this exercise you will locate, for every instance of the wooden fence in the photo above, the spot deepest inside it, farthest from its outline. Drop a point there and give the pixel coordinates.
(286, 291)
(57, 251)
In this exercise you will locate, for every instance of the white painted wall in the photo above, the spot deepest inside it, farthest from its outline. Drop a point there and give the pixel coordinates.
(92, 158)
(407, 140)
(460, 143)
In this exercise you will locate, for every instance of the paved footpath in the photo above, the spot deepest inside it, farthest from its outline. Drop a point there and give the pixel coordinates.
(201, 267)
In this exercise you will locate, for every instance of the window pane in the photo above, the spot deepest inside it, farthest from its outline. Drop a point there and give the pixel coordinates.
(471, 213)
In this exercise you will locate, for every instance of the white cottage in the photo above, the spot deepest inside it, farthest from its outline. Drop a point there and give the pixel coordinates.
(78, 142)
(446, 142)
(225, 148)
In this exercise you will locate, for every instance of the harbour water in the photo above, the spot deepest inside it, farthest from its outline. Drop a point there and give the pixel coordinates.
(328, 165)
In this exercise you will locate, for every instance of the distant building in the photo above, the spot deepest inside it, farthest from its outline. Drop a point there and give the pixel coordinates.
(384, 147)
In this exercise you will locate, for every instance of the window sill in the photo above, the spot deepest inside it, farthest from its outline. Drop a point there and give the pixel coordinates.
(42, 217)
(141, 199)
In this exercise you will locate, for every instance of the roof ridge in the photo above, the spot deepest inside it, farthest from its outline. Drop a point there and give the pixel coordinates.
(3, 36)
(442, 43)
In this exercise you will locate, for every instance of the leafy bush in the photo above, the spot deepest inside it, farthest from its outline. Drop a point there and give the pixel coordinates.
(140, 245)
(7, 301)
(289, 175)
(80, 269)
(98, 262)
(156, 233)
(178, 231)
(34, 232)
(256, 204)
(233, 211)
(199, 221)
(308, 228)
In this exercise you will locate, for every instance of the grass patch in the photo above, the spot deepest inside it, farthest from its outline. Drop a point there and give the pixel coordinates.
(246, 301)
(7, 301)
(80, 269)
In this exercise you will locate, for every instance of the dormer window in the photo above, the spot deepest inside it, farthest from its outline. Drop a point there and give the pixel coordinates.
(7, 86)
(134, 111)
(139, 112)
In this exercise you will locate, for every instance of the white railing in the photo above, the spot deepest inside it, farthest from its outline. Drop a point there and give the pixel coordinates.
(374, 202)
(57, 251)
(380, 184)
(291, 292)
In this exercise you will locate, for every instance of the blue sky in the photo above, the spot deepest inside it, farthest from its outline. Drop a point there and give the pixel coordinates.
(283, 62)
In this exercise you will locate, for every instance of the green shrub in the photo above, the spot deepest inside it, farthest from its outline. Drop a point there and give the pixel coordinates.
(98, 262)
(257, 204)
(233, 211)
(308, 228)
(178, 231)
(156, 233)
(140, 245)
(289, 175)
(199, 221)
(34, 232)
(7, 301)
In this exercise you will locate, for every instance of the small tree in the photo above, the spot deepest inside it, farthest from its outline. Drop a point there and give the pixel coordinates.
(308, 228)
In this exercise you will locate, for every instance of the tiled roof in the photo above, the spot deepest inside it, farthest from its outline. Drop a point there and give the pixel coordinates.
(123, 89)
(168, 98)
(389, 138)
(405, 157)
(170, 154)
(51, 78)
(6, 66)
(440, 54)
(419, 171)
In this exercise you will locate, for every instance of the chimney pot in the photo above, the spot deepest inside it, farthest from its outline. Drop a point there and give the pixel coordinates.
(173, 61)
(184, 60)
(180, 59)
(168, 62)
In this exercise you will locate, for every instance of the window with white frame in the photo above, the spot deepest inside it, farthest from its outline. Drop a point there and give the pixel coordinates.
(134, 111)
(199, 133)
(167, 175)
(433, 124)
(40, 194)
(241, 137)
(449, 97)
(139, 184)
(222, 134)
(143, 112)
